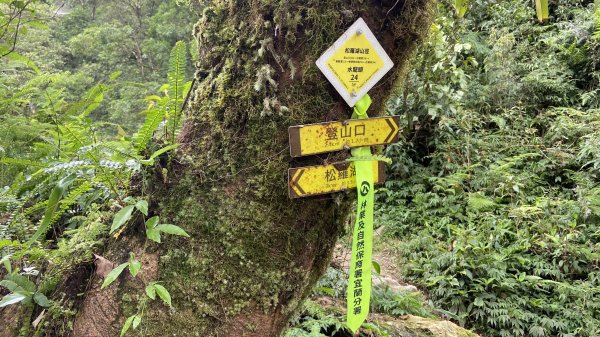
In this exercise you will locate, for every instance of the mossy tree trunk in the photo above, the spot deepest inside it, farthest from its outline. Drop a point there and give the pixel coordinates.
(254, 254)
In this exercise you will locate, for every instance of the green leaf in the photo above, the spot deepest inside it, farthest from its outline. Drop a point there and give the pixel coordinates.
(136, 321)
(151, 291)
(326, 290)
(163, 150)
(11, 299)
(461, 7)
(112, 276)
(479, 202)
(23, 282)
(10, 285)
(172, 229)
(5, 260)
(115, 75)
(176, 75)
(41, 299)
(377, 267)
(142, 206)
(121, 217)
(150, 161)
(53, 201)
(151, 232)
(163, 294)
(152, 222)
(134, 265)
(19, 58)
(127, 325)
(153, 119)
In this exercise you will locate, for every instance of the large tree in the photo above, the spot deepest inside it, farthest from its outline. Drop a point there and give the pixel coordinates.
(254, 253)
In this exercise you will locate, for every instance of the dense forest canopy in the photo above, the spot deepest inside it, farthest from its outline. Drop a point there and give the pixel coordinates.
(489, 218)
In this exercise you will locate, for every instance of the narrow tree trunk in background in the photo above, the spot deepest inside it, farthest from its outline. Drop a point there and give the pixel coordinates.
(254, 254)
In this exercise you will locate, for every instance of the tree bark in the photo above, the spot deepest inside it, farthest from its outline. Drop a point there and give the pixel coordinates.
(254, 254)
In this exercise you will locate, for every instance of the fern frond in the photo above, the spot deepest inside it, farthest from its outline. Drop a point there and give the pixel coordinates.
(177, 63)
(20, 162)
(53, 202)
(89, 102)
(35, 208)
(72, 198)
(153, 119)
(176, 74)
(479, 202)
(74, 135)
(67, 165)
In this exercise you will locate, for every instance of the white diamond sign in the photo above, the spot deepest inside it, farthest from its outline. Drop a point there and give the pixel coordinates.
(355, 62)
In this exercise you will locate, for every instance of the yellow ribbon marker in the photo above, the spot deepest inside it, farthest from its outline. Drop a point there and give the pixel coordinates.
(359, 284)
(541, 8)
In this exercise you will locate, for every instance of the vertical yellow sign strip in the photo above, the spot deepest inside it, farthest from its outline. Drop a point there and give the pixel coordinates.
(541, 7)
(359, 285)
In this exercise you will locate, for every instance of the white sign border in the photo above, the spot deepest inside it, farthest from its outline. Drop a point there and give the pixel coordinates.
(358, 26)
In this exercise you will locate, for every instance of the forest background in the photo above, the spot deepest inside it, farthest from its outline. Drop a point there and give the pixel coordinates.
(492, 201)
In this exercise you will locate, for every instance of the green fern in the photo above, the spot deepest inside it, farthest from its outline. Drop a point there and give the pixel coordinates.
(176, 77)
(21, 162)
(153, 119)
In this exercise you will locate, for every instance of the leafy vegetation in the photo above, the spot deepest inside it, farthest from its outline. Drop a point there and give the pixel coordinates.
(66, 168)
(496, 189)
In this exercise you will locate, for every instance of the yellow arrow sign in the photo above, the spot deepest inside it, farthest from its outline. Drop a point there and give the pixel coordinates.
(335, 136)
(315, 180)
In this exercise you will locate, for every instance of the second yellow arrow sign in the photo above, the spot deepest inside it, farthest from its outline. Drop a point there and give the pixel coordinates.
(334, 136)
(314, 180)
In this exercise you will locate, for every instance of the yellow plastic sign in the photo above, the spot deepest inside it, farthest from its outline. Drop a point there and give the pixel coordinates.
(334, 136)
(355, 62)
(541, 8)
(323, 179)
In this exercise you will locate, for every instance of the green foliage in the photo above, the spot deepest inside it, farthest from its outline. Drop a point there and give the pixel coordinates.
(134, 265)
(397, 303)
(21, 290)
(127, 324)
(461, 7)
(52, 206)
(162, 293)
(495, 190)
(65, 175)
(334, 283)
(153, 229)
(121, 217)
(314, 322)
(153, 288)
(176, 76)
(16, 17)
(114, 274)
(169, 106)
